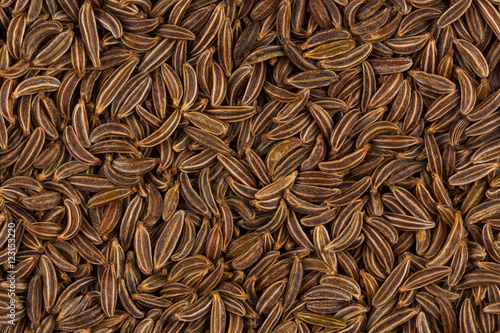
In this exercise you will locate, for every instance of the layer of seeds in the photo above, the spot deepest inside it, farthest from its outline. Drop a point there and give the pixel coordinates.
(261, 166)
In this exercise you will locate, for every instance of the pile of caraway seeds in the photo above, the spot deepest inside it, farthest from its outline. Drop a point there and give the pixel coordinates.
(261, 166)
